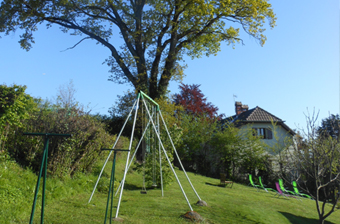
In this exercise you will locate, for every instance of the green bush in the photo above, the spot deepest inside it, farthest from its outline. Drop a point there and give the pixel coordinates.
(66, 155)
(15, 106)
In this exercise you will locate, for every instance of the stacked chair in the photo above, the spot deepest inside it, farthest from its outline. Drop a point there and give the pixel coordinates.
(296, 190)
(263, 186)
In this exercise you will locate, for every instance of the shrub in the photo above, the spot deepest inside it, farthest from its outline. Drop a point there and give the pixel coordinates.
(15, 106)
(66, 155)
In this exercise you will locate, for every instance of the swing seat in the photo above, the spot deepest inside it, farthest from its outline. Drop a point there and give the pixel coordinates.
(143, 192)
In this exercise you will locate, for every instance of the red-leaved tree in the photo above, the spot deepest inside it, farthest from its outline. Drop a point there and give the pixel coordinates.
(194, 101)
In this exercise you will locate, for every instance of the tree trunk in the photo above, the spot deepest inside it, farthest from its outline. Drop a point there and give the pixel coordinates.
(321, 220)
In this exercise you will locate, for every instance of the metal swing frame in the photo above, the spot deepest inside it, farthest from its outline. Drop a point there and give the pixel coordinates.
(150, 147)
(156, 127)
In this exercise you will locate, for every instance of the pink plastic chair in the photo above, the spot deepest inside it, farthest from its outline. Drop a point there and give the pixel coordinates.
(280, 193)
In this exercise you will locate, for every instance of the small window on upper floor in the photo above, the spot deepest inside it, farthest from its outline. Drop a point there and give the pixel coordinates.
(265, 133)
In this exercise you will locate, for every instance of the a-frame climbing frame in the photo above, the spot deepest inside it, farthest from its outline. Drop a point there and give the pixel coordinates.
(155, 125)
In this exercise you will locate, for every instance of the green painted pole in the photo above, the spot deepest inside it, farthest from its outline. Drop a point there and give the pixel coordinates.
(112, 186)
(38, 182)
(44, 181)
(113, 182)
(43, 167)
(107, 203)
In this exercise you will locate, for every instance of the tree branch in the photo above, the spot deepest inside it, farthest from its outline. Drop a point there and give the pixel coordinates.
(119, 60)
(76, 44)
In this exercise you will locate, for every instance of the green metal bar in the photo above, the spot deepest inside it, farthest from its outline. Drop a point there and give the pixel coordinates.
(146, 96)
(44, 182)
(112, 181)
(43, 167)
(107, 203)
(38, 182)
(110, 188)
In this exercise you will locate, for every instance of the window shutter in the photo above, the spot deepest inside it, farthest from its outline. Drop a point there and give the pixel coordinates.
(269, 134)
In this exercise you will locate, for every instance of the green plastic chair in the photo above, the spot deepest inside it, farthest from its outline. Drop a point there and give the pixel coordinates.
(252, 183)
(283, 188)
(296, 190)
(263, 186)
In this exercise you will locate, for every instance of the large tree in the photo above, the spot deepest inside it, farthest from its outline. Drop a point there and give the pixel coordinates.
(156, 33)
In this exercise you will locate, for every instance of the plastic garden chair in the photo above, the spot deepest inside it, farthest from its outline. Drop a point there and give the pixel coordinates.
(252, 183)
(283, 188)
(279, 191)
(265, 188)
(296, 190)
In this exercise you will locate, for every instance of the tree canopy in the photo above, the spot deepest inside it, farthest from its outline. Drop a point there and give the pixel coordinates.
(330, 127)
(156, 33)
(193, 101)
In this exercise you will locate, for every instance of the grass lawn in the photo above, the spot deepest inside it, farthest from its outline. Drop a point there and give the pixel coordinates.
(67, 201)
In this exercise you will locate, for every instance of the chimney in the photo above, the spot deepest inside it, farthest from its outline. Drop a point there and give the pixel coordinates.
(239, 108)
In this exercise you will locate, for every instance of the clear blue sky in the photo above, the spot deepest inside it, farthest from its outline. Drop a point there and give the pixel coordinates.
(298, 67)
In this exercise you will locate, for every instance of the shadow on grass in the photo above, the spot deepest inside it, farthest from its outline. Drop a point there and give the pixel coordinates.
(216, 185)
(302, 220)
(131, 187)
(281, 197)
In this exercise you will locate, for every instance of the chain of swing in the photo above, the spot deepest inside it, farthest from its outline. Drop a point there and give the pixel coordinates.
(150, 144)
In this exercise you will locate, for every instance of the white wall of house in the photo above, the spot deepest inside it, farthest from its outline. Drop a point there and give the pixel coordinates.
(280, 136)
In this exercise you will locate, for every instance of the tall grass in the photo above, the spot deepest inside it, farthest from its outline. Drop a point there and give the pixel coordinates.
(67, 199)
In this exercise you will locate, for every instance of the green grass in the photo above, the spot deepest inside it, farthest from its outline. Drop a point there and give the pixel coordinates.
(67, 200)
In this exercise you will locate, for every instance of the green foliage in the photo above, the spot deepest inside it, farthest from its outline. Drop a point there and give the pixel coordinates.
(171, 114)
(66, 156)
(151, 163)
(21, 113)
(210, 149)
(15, 106)
(253, 153)
(239, 151)
(202, 144)
(151, 169)
(156, 34)
(194, 148)
(115, 122)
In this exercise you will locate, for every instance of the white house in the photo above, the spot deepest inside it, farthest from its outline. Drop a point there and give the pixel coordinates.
(273, 130)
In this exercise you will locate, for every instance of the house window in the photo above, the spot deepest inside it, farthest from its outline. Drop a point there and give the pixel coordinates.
(265, 133)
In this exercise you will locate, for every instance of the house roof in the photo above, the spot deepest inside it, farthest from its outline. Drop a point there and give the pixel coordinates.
(257, 115)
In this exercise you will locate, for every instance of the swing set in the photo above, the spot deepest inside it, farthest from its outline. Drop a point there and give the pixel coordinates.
(149, 146)
(151, 140)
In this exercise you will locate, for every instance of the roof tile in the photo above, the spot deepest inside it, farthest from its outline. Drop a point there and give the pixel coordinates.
(256, 114)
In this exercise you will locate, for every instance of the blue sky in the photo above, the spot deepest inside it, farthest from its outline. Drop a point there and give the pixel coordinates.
(297, 69)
